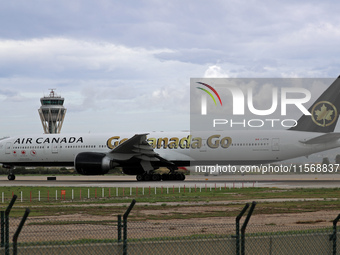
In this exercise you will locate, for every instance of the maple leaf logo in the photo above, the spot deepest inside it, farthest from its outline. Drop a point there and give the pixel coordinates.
(324, 114)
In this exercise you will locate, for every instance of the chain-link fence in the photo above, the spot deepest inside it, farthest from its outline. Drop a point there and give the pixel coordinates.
(171, 238)
(288, 240)
(50, 235)
(53, 236)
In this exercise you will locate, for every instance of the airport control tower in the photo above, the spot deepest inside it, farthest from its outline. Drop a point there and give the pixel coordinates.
(52, 113)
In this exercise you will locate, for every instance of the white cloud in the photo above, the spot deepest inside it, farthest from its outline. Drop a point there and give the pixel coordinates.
(97, 79)
(66, 56)
(215, 71)
(123, 62)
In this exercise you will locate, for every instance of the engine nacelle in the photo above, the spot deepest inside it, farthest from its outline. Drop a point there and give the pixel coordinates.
(92, 163)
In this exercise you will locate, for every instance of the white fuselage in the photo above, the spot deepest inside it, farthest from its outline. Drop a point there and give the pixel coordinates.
(223, 147)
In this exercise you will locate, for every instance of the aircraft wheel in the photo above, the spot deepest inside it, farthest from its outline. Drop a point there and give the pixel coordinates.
(147, 177)
(11, 177)
(156, 177)
(178, 177)
(139, 177)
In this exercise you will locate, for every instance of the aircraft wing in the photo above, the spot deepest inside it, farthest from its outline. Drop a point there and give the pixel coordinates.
(137, 147)
(325, 138)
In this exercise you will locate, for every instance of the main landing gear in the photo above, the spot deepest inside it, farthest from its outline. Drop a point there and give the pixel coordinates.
(158, 177)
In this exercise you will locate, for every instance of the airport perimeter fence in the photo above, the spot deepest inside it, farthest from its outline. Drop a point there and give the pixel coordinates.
(50, 235)
(71, 194)
(53, 236)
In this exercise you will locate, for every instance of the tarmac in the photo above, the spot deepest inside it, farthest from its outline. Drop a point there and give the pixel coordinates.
(235, 181)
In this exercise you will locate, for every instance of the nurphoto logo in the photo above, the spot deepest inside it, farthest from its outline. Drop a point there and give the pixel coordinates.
(204, 98)
(244, 100)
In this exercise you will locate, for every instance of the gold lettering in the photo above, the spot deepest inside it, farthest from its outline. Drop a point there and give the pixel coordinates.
(123, 140)
(196, 143)
(152, 142)
(109, 142)
(212, 144)
(225, 142)
(165, 142)
(174, 141)
(185, 142)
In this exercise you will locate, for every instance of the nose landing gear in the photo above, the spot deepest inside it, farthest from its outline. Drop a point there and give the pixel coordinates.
(11, 176)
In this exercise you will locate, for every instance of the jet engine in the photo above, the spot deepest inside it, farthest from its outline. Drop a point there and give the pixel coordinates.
(93, 163)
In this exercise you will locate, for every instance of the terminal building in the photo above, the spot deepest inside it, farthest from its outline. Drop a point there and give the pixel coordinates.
(52, 113)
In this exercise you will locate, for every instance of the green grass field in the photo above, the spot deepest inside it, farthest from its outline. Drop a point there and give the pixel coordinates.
(106, 201)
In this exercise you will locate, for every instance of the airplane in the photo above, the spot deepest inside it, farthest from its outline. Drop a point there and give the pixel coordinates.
(141, 154)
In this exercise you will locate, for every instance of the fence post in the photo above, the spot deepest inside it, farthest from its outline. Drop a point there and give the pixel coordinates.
(2, 229)
(8, 210)
(238, 218)
(16, 235)
(119, 228)
(243, 229)
(125, 216)
(332, 237)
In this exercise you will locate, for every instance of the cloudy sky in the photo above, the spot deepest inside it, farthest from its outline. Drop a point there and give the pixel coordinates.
(126, 65)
